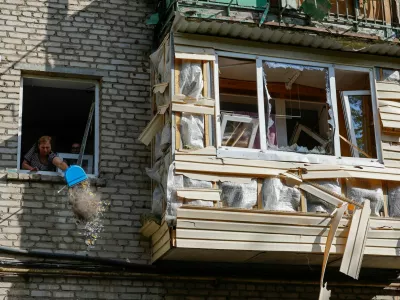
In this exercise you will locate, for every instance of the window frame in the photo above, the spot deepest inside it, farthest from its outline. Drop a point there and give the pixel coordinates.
(96, 154)
(274, 155)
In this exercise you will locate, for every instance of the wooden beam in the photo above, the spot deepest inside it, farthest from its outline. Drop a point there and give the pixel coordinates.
(354, 250)
(155, 125)
(387, 87)
(194, 109)
(259, 194)
(385, 199)
(321, 194)
(199, 194)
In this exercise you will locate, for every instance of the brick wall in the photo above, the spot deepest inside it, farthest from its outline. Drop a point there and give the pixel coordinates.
(46, 288)
(100, 39)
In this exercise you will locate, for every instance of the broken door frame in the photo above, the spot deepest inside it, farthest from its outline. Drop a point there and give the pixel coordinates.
(96, 121)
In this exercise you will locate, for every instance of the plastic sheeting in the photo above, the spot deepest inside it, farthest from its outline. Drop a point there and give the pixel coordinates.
(394, 200)
(175, 182)
(192, 131)
(156, 171)
(165, 137)
(157, 146)
(315, 204)
(156, 205)
(243, 195)
(191, 79)
(359, 190)
(278, 196)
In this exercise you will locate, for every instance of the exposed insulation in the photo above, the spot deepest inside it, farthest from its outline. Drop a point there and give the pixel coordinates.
(315, 204)
(360, 190)
(156, 205)
(242, 195)
(394, 199)
(278, 196)
(192, 131)
(191, 79)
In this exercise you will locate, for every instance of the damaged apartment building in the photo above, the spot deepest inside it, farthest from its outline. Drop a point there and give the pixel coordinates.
(275, 136)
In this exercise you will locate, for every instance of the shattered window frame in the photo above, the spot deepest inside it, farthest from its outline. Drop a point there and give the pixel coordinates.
(274, 155)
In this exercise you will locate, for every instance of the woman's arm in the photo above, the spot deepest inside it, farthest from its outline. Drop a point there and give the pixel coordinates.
(58, 162)
(26, 166)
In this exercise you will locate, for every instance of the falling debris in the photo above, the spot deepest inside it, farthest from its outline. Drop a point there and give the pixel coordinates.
(88, 209)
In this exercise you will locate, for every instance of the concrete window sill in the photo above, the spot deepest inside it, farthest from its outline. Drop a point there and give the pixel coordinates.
(49, 177)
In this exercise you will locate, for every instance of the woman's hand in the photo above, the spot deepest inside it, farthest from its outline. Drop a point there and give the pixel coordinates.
(34, 169)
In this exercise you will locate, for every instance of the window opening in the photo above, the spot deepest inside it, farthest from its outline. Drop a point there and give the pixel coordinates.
(357, 130)
(58, 108)
(298, 109)
(238, 103)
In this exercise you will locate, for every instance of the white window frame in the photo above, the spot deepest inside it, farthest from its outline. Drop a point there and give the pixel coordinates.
(263, 153)
(96, 124)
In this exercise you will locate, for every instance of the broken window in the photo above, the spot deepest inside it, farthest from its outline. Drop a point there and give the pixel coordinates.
(357, 130)
(297, 109)
(59, 108)
(238, 103)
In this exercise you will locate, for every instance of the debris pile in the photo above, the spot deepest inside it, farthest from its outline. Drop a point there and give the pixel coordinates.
(88, 209)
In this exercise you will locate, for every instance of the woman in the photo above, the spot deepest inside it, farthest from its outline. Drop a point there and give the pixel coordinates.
(41, 158)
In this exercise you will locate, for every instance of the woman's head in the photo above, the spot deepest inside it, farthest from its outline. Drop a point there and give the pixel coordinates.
(44, 145)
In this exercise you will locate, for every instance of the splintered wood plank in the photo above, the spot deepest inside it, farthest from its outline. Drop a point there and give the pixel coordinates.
(354, 250)
(208, 195)
(335, 201)
(329, 242)
(193, 109)
(392, 163)
(149, 229)
(155, 125)
(387, 87)
(161, 251)
(214, 177)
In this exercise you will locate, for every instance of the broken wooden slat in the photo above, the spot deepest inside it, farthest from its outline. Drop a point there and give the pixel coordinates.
(329, 241)
(259, 194)
(194, 109)
(192, 56)
(160, 87)
(156, 124)
(391, 155)
(390, 147)
(159, 233)
(354, 250)
(210, 151)
(205, 194)
(196, 50)
(335, 201)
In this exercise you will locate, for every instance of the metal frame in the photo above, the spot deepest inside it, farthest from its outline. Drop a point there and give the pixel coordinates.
(347, 116)
(241, 119)
(288, 156)
(96, 122)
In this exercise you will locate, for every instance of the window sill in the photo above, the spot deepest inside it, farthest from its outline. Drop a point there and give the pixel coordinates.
(273, 155)
(52, 177)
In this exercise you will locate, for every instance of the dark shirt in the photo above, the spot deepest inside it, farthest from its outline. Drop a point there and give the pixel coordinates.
(32, 157)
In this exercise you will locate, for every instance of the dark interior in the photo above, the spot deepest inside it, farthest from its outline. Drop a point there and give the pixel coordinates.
(58, 112)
